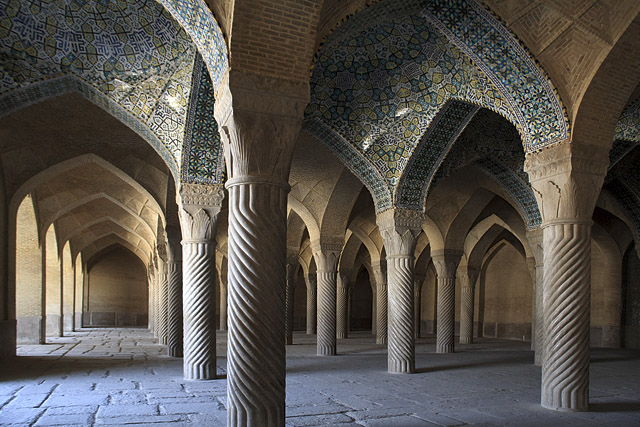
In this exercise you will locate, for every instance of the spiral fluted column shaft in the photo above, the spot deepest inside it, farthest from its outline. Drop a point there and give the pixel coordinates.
(152, 302)
(199, 302)
(417, 308)
(326, 339)
(446, 263)
(374, 310)
(164, 308)
(381, 314)
(539, 317)
(288, 329)
(223, 307)
(156, 306)
(446, 315)
(311, 310)
(466, 314)
(401, 347)
(256, 286)
(174, 331)
(567, 269)
(342, 312)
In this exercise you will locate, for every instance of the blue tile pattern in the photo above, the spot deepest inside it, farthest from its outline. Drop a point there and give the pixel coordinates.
(133, 53)
(520, 191)
(434, 146)
(203, 157)
(628, 126)
(196, 18)
(382, 76)
(493, 145)
(494, 49)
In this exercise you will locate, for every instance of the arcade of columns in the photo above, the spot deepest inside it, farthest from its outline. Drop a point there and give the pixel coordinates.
(260, 118)
(259, 314)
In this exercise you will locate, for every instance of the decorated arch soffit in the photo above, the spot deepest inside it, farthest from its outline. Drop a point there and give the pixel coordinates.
(203, 157)
(382, 77)
(627, 134)
(196, 18)
(131, 58)
(493, 145)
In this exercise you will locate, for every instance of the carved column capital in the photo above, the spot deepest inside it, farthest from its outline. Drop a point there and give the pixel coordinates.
(343, 278)
(174, 248)
(379, 273)
(259, 118)
(311, 281)
(399, 229)
(446, 262)
(535, 238)
(199, 207)
(326, 253)
(566, 180)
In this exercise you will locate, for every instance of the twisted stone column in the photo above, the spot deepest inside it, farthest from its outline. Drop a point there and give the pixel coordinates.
(399, 229)
(567, 269)
(223, 305)
(326, 256)
(292, 264)
(174, 279)
(342, 304)
(446, 263)
(535, 238)
(417, 304)
(152, 299)
(374, 308)
(310, 280)
(156, 301)
(468, 276)
(163, 305)
(566, 179)
(199, 208)
(256, 351)
(259, 120)
(381, 303)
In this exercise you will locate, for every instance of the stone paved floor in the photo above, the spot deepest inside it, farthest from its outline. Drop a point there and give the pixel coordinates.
(113, 377)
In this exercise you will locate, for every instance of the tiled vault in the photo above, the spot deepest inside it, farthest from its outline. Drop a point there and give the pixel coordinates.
(383, 76)
(131, 58)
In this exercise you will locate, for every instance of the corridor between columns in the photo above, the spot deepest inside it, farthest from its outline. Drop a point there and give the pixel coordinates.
(117, 376)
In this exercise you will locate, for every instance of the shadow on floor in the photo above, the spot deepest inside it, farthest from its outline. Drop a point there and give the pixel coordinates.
(615, 407)
(521, 360)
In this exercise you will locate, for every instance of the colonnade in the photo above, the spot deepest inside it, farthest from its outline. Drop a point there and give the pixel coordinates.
(261, 281)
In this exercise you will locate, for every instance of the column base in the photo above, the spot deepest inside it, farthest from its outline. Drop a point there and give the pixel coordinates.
(326, 351)
(401, 367)
(381, 340)
(444, 348)
(175, 351)
(341, 335)
(203, 373)
(580, 408)
(466, 340)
